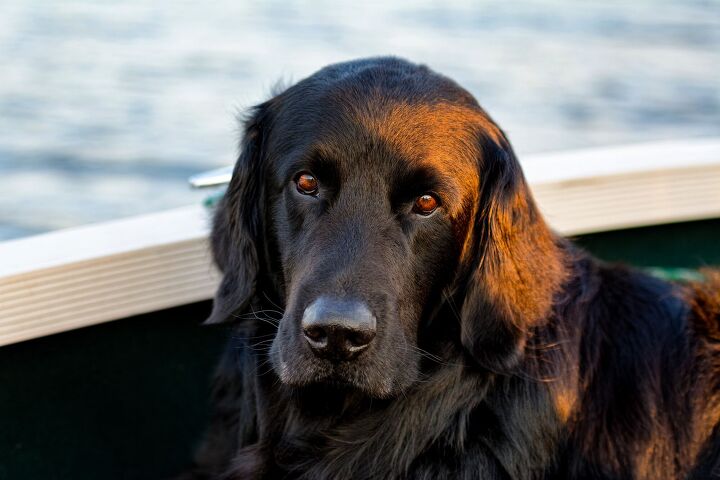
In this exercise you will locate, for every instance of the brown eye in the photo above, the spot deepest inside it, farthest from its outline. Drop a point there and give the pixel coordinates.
(307, 184)
(425, 204)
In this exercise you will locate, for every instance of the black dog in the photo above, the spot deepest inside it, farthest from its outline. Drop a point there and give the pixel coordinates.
(402, 310)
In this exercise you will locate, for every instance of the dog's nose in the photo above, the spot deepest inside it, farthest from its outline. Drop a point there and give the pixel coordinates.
(338, 329)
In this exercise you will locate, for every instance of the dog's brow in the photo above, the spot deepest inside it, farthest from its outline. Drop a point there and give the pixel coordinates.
(310, 159)
(417, 179)
(420, 176)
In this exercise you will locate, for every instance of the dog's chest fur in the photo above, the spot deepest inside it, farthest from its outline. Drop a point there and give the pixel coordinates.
(449, 427)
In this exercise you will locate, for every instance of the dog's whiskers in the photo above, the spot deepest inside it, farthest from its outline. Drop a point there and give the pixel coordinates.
(451, 303)
(256, 314)
(273, 303)
(432, 357)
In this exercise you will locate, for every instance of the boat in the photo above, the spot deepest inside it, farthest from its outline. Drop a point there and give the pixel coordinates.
(105, 367)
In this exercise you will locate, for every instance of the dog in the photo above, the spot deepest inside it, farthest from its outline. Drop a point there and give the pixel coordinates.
(399, 309)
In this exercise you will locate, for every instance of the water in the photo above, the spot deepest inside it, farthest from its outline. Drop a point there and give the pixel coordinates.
(107, 107)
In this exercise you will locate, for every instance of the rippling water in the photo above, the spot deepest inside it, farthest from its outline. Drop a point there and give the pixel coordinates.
(106, 107)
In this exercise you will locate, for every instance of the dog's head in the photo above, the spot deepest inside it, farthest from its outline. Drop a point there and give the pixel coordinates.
(366, 197)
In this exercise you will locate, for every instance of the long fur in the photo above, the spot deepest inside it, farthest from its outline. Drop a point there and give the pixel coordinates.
(534, 360)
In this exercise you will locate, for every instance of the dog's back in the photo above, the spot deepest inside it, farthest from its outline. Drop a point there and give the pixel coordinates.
(648, 402)
(704, 299)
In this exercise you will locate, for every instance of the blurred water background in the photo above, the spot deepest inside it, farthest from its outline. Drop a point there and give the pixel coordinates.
(107, 107)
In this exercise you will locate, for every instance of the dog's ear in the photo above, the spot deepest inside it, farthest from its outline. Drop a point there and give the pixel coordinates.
(238, 225)
(517, 266)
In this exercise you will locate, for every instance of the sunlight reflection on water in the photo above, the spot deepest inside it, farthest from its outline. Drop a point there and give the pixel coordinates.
(107, 108)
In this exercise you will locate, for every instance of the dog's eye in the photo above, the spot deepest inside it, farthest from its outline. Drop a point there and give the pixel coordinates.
(425, 204)
(306, 183)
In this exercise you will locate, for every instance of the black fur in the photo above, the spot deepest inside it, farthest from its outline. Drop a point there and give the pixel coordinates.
(502, 352)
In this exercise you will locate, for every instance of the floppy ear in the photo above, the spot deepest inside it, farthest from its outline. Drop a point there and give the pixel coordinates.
(238, 224)
(517, 267)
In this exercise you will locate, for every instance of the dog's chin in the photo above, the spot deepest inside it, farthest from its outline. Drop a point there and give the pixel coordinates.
(345, 377)
(338, 377)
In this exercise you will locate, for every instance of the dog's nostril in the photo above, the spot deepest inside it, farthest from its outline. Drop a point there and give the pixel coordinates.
(360, 338)
(316, 334)
(338, 329)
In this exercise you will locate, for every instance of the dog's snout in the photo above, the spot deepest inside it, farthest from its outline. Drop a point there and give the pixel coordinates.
(338, 329)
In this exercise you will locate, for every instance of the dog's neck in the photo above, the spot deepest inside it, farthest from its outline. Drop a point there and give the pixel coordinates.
(358, 441)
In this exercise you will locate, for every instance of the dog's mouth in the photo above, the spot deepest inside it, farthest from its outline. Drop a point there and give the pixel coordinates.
(317, 371)
(362, 377)
(337, 379)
